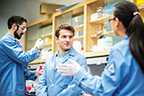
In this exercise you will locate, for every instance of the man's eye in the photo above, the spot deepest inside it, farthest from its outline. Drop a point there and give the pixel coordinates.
(70, 36)
(63, 36)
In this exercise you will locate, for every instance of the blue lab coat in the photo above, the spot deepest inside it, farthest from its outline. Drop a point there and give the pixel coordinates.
(13, 66)
(51, 83)
(121, 77)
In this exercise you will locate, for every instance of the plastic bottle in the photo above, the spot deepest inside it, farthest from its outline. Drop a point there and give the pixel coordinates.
(40, 68)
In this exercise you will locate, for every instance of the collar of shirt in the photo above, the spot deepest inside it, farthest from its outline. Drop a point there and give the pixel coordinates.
(60, 58)
(125, 37)
(11, 37)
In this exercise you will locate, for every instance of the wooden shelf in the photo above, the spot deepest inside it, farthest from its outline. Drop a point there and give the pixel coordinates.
(97, 53)
(38, 61)
(32, 39)
(90, 1)
(97, 35)
(100, 20)
(78, 28)
(78, 38)
(46, 20)
(48, 44)
(110, 33)
(47, 35)
(79, 8)
(141, 7)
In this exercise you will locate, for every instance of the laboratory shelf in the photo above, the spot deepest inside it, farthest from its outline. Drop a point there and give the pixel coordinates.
(78, 38)
(48, 44)
(97, 53)
(78, 28)
(100, 20)
(141, 7)
(109, 33)
(47, 35)
(38, 61)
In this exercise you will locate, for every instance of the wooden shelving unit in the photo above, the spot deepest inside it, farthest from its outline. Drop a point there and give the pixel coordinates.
(87, 8)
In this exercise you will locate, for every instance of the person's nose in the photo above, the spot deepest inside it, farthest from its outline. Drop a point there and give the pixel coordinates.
(67, 39)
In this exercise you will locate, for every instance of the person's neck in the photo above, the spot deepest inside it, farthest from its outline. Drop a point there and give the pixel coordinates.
(122, 33)
(61, 51)
(11, 32)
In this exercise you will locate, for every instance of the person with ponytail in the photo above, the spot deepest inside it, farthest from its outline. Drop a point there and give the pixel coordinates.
(124, 73)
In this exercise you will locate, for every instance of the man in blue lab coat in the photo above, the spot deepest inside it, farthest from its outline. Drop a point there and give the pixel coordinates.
(51, 83)
(14, 60)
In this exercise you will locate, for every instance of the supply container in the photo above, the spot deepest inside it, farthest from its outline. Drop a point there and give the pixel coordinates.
(48, 40)
(101, 43)
(108, 42)
(77, 46)
(108, 10)
(140, 2)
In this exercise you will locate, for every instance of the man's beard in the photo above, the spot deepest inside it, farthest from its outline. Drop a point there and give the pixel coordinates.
(17, 36)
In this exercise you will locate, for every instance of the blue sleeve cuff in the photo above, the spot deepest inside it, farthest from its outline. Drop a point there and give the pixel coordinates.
(80, 75)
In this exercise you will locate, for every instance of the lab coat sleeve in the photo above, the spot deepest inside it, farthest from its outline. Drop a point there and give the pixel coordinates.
(111, 78)
(30, 75)
(73, 89)
(16, 53)
(42, 86)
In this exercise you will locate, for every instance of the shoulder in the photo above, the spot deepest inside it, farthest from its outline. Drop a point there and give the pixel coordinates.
(121, 47)
(120, 53)
(50, 58)
(7, 38)
(76, 54)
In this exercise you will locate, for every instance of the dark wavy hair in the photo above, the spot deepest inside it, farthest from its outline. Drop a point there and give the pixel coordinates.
(15, 19)
(134, 29)
(64, 26)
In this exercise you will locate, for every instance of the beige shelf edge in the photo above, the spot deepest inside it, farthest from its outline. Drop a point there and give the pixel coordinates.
(97, 53)
(48, 44)
(46, 19)
(76, 9)
(90, 1)
(97, 35)
(78, 38)
(109, 33)
(141, 7)
(100, 20)
(78, 28)
(47, 35)
(37, 61)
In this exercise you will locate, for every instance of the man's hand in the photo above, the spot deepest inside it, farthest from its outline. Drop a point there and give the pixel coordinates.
(39, 44)
(69, 69)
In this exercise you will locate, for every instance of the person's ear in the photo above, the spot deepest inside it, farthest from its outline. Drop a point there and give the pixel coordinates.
(56, 39)
(117, 22)
(14, 26)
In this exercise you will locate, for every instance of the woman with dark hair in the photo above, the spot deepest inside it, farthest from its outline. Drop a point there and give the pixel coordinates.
(124, 73)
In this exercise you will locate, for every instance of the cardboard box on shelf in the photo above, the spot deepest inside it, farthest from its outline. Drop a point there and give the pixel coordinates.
(48, 9)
